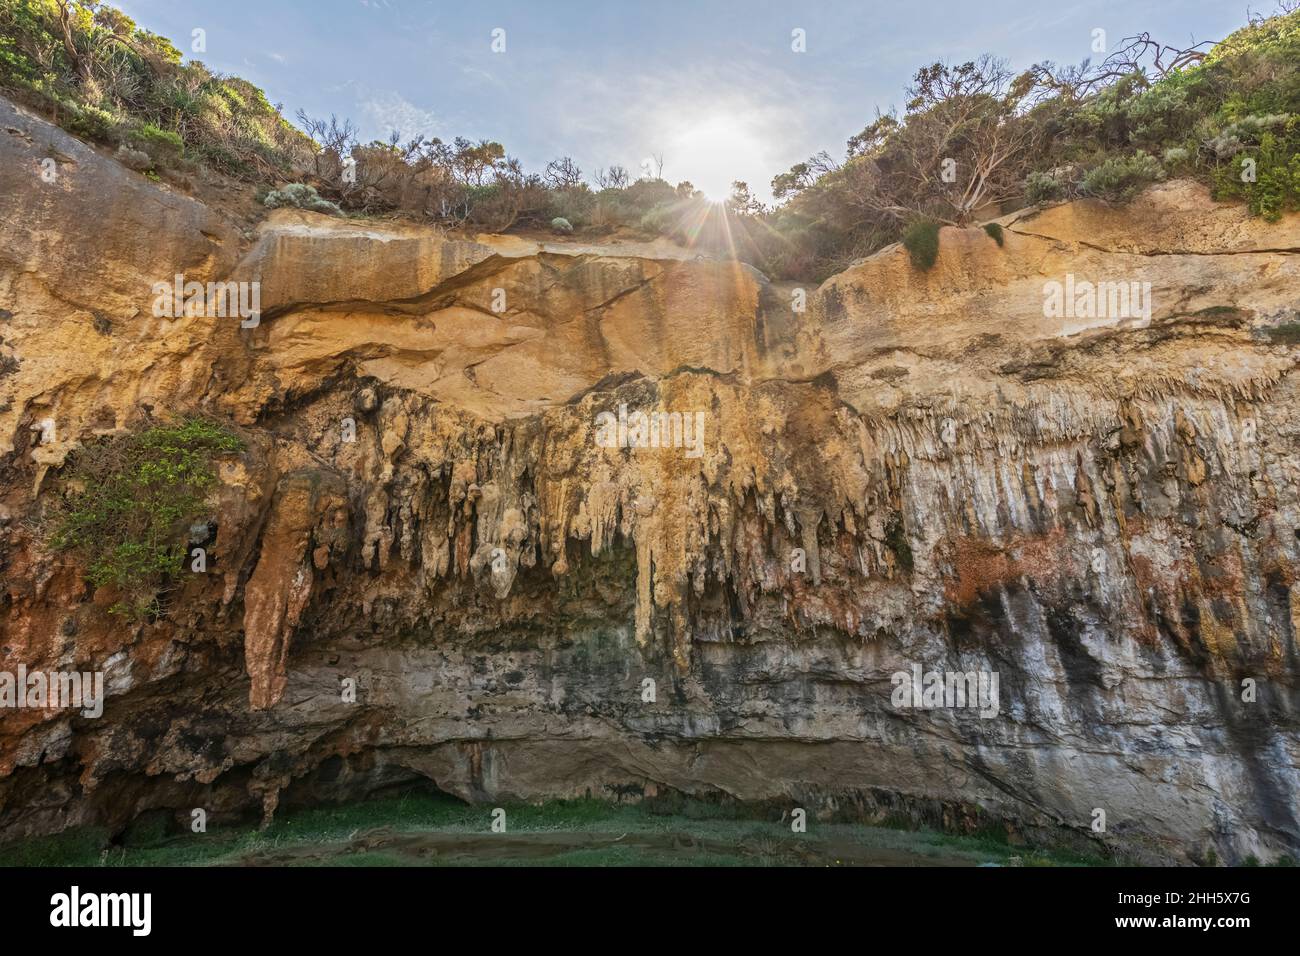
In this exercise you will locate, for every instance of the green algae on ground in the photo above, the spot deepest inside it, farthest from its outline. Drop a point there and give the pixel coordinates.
(436, 830)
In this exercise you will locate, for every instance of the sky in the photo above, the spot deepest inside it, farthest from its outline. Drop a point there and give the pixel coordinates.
(714, 87)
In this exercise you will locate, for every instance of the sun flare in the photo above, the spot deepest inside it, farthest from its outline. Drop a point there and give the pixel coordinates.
(712, 151)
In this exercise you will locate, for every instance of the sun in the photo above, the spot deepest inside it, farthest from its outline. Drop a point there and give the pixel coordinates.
(714, 150)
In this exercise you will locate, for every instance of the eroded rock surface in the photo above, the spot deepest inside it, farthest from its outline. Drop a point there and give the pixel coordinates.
(919, 468)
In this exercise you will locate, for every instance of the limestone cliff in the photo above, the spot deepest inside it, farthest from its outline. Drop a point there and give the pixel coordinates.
(917, 468)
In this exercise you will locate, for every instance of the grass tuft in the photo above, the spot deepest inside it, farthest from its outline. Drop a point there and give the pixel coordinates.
(922, 243)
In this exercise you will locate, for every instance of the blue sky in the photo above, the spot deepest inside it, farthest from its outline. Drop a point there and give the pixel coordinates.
(711, 85)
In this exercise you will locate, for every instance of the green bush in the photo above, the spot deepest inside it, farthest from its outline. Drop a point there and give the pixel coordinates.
(90, 122)
(227, 161)
(562, 225)
(922, 243)
(1244, 133)
(129, 502)
(1043, 187)
(19, 20)
(995, 231)
(164, 147)
(1275, 165)
(659, 218)
(300, 196)
(575, 205)
(1122, 177)
(1166, 111)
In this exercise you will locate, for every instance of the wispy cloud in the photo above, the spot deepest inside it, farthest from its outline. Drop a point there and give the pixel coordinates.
(386, 112)
(475, 73)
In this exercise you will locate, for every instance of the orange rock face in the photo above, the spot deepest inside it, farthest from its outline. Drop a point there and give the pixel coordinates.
(306, 510)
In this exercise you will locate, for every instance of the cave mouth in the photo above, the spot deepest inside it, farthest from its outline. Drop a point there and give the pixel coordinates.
(358, 778)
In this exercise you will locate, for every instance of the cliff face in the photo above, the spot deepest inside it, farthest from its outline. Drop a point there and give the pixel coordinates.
(429, 563)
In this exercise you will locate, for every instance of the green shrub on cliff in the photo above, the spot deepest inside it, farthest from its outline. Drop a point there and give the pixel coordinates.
(922, 243)
(90, 122)
(1122, 177)
(1043, 187)
(1265, 175)
(129, 501)
(300, 196)
(163, 146)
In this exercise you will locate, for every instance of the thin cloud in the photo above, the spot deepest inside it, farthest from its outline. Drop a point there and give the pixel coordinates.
(389, 111)
(475, 73)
